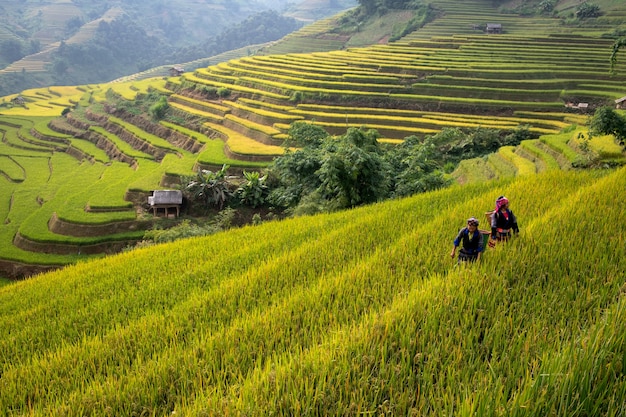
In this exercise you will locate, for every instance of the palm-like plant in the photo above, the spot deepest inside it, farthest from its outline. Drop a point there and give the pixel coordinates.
(254, 190)
(208, 188)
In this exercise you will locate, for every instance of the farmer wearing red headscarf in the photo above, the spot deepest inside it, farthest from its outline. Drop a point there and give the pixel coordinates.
(503, 221)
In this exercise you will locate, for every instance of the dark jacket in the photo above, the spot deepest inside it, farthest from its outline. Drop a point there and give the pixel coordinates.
(469, 246)
(503, 222)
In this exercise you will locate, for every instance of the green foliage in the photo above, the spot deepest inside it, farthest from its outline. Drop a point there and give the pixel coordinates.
(329, 173)
(369, 7)
(339, 172)
(253, 191)
(143, 35)
(416, 166)
(158, 109)
(606, 121)
(296, 97)
(303, 134)
(206, 91)
(619, 43)
(11, 50)
(223, 92)
(587, 10)
(261, 27)
(187, 229)
(207, 189)
(546, 6)
(456, 144)
(425, 15)
(352, 171)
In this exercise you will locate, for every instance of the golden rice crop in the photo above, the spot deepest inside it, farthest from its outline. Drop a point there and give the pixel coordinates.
(357, 310)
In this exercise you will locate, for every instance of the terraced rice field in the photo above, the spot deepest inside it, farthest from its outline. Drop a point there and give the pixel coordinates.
(72, 186)
(448, 66)
(444, 75)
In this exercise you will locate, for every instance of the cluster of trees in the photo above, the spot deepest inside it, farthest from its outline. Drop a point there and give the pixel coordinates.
(327, 173)
(587, 10)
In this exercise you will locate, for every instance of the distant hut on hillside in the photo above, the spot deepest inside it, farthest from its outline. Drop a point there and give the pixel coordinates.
(494, 28)
(176, 71)
(580, 106)
(620, 103)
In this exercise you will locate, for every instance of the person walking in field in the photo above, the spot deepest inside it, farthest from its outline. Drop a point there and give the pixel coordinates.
(503, 222)
(471, 241)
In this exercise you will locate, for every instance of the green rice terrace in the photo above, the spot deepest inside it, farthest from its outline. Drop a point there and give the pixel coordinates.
(75, 187)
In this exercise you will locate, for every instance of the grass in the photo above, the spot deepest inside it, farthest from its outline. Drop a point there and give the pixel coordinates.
(339, 313)
(192, 111)
(559, 143)
(532, 147)
(11, 169)
(522, 165)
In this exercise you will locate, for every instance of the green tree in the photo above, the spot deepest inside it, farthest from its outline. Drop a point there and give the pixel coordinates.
(416, 166)
(59, 67)
(587, 10)
(353, 170)
(369, 6)
(305, 134)
(546, 6)
(294, 175)
(606, 121)
(158, 109)
(331, 173)
(616, 47)
(223, 92)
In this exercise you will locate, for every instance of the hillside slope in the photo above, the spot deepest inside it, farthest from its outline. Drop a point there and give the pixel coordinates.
(69, 42)
(76, 187)
(352, 313)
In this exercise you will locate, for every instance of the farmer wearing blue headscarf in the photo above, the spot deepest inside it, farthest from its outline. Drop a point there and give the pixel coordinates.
(471, 241)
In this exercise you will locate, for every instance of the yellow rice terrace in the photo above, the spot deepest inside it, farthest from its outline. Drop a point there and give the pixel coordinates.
(357, 312)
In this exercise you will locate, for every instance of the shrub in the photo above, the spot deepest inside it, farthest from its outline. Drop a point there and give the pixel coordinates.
(158, 109)
(607, 121)
(587, 10)
(253, 191)
(207, 188)
(296, 97)
(223, 92)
